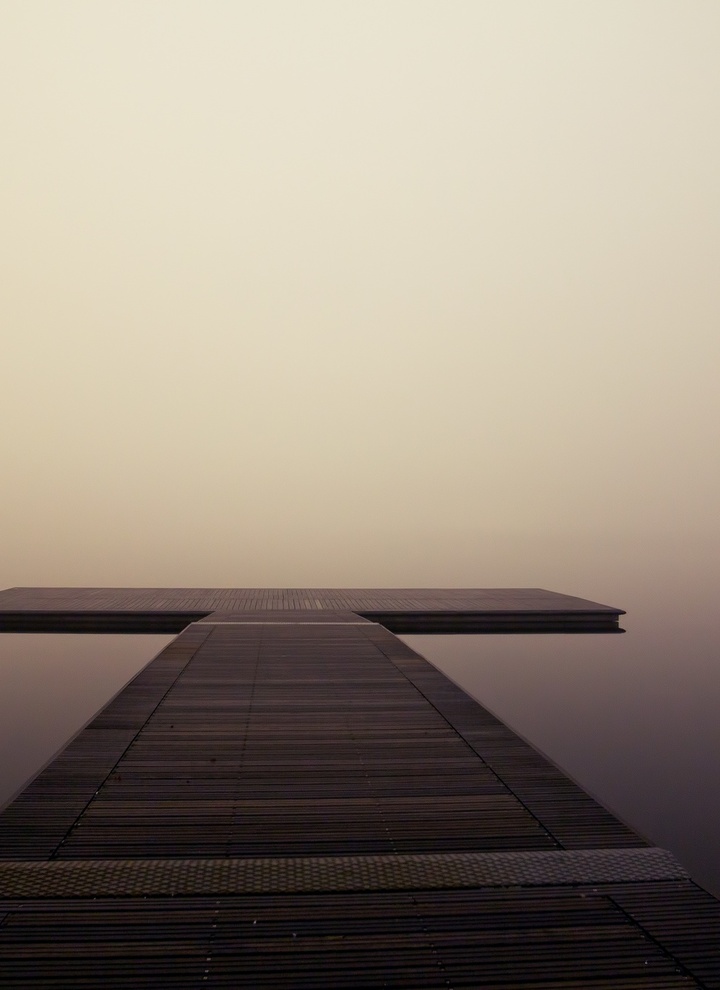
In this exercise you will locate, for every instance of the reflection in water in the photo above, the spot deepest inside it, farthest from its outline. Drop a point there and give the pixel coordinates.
(51, 686)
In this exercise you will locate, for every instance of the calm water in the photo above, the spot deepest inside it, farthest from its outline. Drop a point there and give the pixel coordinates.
(633, 717)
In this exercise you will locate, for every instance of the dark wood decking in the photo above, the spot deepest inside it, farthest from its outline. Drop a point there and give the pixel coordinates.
(403, 610)
(285, 800)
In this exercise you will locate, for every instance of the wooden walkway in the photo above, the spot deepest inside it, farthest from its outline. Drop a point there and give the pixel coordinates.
(294, 798)
(402, 610)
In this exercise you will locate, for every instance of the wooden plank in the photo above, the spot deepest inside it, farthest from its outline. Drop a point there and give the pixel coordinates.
(518, 938)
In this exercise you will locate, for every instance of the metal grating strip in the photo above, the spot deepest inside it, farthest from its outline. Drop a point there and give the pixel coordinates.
(209, 877)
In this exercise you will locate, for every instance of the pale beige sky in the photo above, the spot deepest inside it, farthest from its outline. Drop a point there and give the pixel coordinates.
(357, 292)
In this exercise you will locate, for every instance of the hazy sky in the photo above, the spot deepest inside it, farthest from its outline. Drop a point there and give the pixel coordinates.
(357, 292)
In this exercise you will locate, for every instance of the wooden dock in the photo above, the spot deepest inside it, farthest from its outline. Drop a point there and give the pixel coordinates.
(402, 610)
(288, 796)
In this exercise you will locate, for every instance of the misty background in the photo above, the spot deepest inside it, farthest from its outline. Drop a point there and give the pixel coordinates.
(355, 292)
(400, 293)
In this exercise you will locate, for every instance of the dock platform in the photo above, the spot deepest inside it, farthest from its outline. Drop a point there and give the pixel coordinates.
(289, 796)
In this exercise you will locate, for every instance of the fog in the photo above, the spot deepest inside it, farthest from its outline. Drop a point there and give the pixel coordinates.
(355, 293)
